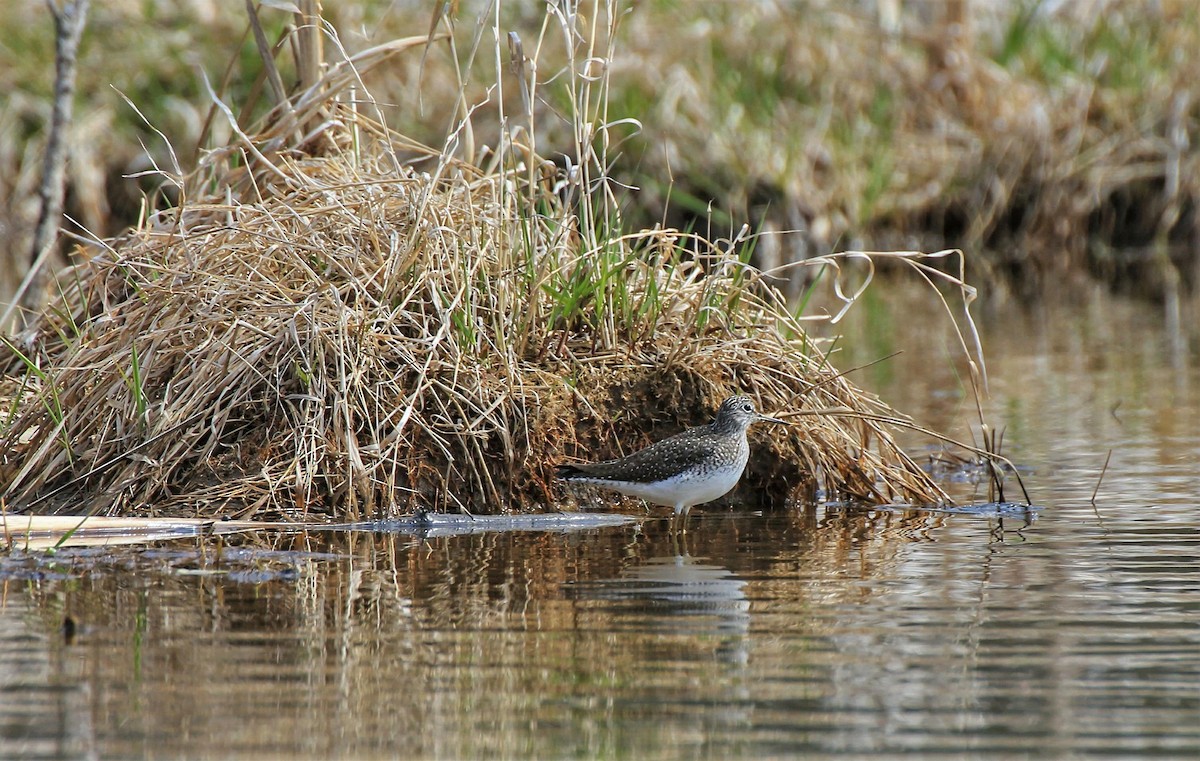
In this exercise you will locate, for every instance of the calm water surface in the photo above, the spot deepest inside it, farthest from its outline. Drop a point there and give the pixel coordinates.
(816, 632)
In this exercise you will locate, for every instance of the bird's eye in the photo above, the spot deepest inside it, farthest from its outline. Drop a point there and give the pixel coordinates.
(747, 407)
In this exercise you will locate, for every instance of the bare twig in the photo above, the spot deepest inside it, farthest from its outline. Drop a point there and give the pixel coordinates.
(1100, 479)
(69, 21)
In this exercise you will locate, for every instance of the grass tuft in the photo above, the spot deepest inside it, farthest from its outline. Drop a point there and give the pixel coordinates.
(335, 321)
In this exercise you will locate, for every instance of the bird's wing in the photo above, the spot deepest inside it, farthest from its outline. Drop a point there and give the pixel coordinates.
(655, 462)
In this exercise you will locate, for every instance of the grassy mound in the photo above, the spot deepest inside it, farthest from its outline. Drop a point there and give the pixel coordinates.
(318, 329)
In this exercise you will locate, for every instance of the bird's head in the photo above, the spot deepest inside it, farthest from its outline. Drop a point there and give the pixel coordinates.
(738, 412)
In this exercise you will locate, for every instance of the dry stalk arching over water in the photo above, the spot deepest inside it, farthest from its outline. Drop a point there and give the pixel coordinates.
(320, 331)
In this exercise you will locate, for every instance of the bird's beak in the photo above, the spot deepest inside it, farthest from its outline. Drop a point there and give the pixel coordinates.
(769, 419)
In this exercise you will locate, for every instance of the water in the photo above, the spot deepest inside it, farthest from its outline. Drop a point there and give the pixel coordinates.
(813, 633)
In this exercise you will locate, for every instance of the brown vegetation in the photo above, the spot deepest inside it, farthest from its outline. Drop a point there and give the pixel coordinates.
(1055, 142)
(319, 330)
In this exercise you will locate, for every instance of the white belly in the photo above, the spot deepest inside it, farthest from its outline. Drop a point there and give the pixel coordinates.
(681, 492)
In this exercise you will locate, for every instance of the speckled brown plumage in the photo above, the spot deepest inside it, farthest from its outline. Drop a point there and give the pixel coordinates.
(690, 468)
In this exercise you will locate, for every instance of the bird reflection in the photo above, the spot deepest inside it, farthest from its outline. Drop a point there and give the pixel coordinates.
(664, 590)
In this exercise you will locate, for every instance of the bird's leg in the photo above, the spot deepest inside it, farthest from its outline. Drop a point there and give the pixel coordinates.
(678, 522)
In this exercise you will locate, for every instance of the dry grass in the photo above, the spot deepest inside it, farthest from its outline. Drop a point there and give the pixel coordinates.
(1048, 139)
(320, 330)
(1056, 140)
(354, 343)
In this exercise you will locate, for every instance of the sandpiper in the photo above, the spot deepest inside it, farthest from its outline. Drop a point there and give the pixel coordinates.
(690, 468)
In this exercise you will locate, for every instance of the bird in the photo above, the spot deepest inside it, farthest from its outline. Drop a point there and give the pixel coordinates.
(690, 468)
